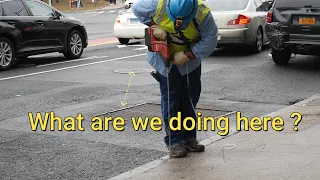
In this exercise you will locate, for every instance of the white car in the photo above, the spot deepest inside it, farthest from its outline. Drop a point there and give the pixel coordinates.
(241, 22)
(127, 26)
(128, 3)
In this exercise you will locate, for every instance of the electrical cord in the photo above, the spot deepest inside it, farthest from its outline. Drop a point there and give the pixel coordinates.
(223, 147)
(169, 114)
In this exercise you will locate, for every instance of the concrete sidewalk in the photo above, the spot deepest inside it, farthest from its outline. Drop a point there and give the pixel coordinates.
(110, 7)
(118, 5)
(260, 155)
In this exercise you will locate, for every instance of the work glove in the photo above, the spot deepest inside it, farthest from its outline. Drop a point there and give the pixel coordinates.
(180, 58)
(159, 33)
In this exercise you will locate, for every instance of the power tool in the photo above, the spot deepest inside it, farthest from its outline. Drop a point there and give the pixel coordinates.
(155, 45)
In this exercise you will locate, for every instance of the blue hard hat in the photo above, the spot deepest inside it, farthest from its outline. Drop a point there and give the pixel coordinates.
(184, 9)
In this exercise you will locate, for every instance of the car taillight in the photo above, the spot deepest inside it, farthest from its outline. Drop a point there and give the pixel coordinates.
(242, 19)
(269, 17)
(118, 20)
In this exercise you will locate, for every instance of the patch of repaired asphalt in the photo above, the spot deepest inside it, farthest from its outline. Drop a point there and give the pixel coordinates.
(35, 156)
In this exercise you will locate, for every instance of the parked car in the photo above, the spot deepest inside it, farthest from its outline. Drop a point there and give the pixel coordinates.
(128, 4)
(294, 27)
(127, 26)
(31, 27)
(240, 22)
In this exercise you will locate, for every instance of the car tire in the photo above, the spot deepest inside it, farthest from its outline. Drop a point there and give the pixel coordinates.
(258, 44)
(7, 54)
(281, 57)
(124, 40)
(75, 45)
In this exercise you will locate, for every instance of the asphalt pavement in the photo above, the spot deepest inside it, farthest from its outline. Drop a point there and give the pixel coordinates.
(99, 23)
(232, 80)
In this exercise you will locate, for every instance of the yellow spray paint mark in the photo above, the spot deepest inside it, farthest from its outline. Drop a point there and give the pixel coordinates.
(124, 102)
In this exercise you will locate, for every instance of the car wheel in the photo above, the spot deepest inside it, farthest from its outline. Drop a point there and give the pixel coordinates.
(7, 54)
(281, 57)
(74, 47)
(257, 46)
(124, 40)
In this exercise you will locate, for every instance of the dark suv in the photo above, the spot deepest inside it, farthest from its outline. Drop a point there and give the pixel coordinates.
(30, 27)
(293, 26)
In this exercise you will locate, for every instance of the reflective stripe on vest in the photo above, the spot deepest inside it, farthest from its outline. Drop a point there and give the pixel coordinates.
(178, 40)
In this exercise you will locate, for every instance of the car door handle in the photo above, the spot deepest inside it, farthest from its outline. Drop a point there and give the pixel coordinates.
(40, 23)
(11, 22)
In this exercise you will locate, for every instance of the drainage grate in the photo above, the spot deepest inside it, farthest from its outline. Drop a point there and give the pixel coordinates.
(152, 110)
(136, 71)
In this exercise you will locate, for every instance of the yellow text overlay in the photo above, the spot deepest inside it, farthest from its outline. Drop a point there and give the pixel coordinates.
(49, 121)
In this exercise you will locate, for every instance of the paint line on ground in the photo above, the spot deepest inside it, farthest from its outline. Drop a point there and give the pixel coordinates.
(103, 43)
(137, 49)
(71, 67)
(82, 59)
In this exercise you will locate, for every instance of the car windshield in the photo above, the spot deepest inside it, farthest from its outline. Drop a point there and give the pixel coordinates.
(226, 5)
(297, 3)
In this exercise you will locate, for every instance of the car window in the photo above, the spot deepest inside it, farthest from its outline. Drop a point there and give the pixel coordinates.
(14, 8)
(261, 5)
(297, 3)
(39, 9)
(226, 5)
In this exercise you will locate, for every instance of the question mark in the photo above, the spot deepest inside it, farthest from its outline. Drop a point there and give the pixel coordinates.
(297, 121)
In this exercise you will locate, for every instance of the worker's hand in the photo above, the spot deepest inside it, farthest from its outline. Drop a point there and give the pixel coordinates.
(180, 58)
(159, 33)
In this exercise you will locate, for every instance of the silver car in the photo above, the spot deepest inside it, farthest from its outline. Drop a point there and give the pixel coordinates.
(240, 22)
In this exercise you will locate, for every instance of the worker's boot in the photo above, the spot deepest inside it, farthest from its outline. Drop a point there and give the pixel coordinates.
(194, 146)
(178, 151)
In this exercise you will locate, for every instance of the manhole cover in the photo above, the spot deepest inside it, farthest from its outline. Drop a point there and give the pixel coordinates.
(136, 71)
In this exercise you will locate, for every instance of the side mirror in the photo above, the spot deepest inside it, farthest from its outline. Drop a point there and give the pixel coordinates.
(57, 15)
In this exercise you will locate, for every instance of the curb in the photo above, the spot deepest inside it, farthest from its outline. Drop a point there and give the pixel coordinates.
(153, 164)
(100, 9)
(298, 104)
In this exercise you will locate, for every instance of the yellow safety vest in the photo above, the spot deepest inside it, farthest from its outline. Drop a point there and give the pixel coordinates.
(191, 33)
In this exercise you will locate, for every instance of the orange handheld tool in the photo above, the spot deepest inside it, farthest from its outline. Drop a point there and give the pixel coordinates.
(155, 45)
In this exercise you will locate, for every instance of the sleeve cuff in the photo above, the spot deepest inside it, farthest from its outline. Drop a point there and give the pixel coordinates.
(190, 54)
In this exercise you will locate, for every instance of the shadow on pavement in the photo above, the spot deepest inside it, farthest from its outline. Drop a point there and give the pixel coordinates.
(234, 51)
(303, 63)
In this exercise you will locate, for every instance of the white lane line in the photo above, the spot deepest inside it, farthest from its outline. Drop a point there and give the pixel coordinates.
(137, 45)
(70, 67)
(82, 59)
(146, 47)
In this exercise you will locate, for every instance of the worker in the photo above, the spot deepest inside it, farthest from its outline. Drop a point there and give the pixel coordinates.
(198, 39)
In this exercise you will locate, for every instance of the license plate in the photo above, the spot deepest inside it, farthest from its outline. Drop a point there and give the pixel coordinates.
(307, 21)
(134, 21)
